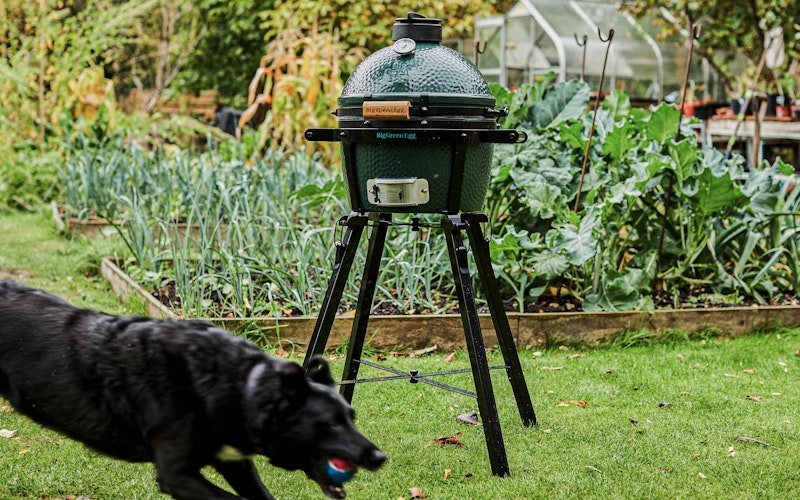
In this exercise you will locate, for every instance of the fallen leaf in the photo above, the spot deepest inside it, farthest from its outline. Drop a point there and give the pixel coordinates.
(279, 352)
(540, 353)
(701, 475)
(576, 356)
(450, 357)
(470, 418)
(749, 371)
(731, 375)
(591, 467)
(447, 473)
(797, 352)
(681, 357)
(449, 440)
(417, 493)
(610, 371)
(5, 409)
(7, 433)
(551, 368)
(684, 393)
(572, 402)
(755, 398)
(731, 453)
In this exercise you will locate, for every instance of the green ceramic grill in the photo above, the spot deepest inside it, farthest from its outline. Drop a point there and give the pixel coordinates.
(417, 124)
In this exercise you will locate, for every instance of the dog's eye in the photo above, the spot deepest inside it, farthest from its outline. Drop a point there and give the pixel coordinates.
(338, 423)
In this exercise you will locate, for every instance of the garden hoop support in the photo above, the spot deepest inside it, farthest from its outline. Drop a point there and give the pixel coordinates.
(607, 41)
(583, 57)
(696, 29)
(748, 95)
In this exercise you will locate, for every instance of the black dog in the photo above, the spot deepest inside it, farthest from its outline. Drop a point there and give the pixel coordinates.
(181, 394)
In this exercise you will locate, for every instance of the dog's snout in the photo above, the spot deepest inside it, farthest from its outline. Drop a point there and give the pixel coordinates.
(374, 458)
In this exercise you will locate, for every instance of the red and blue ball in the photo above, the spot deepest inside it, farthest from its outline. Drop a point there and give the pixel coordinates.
(340, 470)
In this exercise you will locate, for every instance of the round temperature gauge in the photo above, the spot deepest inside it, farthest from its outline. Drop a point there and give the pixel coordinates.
(404, 46)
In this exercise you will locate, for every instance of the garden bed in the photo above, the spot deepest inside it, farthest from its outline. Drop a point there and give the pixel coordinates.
(93, 227)
(530, 330)
(74, 226)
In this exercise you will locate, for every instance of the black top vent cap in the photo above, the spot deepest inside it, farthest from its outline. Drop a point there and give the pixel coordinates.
(417, 27)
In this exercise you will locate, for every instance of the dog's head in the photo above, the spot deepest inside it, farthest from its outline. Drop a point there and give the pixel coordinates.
(301, 422)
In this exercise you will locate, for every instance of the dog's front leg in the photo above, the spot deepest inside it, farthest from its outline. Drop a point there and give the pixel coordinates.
(191, 487)
(179, 475)
(243, 477)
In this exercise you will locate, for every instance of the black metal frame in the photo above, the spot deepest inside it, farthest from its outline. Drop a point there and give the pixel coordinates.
(453, 227)
(458, 139)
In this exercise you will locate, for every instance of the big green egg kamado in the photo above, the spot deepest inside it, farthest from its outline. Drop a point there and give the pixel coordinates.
(417, 124)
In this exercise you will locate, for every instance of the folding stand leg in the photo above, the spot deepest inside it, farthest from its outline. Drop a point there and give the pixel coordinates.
(480, 251)
(345, 254)
(477, 352)
(364, 304)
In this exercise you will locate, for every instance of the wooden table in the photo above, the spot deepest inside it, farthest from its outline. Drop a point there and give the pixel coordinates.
(783, 132)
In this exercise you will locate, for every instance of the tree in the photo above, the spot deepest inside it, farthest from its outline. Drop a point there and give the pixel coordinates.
(234, 40)
(368, 23)
(731, 26)
(46, 46)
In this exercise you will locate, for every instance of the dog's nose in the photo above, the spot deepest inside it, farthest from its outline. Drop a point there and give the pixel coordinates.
(375, 458)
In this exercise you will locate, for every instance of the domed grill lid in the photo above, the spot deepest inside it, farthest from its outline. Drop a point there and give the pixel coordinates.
(418, 68)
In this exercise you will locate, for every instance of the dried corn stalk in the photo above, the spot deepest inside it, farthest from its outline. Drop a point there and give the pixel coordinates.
(296, 86)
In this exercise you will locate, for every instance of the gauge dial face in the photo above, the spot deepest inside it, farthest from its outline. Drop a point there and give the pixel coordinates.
(404, 46)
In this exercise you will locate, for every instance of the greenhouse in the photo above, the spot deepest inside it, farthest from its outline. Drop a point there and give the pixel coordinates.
(536, 37)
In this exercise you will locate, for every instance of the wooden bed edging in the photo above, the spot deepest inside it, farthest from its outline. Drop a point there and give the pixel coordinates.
(529, 330)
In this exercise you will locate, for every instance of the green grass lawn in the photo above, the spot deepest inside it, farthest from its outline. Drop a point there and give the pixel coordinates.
(32, 252)
(656, 420)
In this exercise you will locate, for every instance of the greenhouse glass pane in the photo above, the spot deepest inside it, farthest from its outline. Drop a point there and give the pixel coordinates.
(491, 42)
(562, 18)
(635, 66)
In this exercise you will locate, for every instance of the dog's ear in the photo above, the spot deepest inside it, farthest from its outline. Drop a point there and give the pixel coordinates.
(293, 382)
(319, 371)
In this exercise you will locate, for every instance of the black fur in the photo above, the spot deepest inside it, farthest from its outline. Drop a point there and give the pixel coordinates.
(174, 393)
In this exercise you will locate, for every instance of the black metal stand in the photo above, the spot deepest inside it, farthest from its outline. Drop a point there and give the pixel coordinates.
(453, 226)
